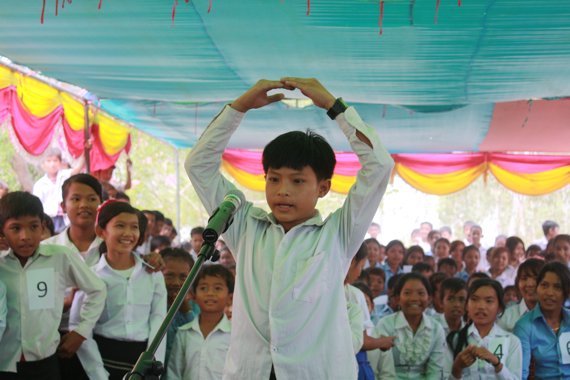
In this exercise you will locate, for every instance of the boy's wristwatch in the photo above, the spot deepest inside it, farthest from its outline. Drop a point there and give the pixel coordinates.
(338, 107)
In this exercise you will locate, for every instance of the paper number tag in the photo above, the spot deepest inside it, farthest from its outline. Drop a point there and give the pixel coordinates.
(565, 347)
(41, 288)
(407, 268)
(499, 347)
(381, 300)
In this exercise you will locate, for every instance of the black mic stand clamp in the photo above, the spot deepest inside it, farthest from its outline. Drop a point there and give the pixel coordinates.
(147, 368)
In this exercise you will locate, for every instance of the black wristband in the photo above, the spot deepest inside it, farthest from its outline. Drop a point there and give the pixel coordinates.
(338, 107)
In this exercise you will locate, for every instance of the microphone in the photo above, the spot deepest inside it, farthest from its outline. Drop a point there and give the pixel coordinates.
(223, 216)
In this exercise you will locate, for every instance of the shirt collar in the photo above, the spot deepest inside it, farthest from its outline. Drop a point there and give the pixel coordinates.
(316, 220)
(103, 264)
(522, 307)
(224, 325)
(402, 322)
(41, 250)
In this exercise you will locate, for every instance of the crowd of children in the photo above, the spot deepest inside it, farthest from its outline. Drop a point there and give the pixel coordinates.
(313, 298)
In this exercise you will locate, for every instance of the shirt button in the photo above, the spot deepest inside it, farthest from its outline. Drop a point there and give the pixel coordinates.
(274, 349)
(128, 322)
(276, 277)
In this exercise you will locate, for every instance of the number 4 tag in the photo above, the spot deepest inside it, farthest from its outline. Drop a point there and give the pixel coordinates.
(565, 347)
(41, 288)
(499, 347)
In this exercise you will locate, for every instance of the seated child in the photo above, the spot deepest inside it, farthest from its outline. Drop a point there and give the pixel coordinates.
(136, 304)
(418, 353)
(226, 257)
(511, 296)
(447, 266)
(196, 241)
(376, 253)
(456, 253)
(470, 257)
(159, 243)
(414, 255)
(377, 281)
(424, 269)
(177, 266)
(288, 297)
(201, 346)
(562, 248)
(364, 277)
(388, 308)
(35, 304)
(533, 251)
(453, 294)
(441, 249)
(500, 269)
(436, 307)
(395, 252)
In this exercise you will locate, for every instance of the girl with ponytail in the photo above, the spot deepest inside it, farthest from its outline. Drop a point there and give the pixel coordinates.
(483, 350)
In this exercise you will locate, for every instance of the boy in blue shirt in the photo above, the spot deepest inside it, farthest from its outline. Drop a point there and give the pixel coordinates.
(290, 263)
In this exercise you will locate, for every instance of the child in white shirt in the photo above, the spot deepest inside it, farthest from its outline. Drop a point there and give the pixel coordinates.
(453, 293)
(201, 346)
(36, 277)
(290, 263)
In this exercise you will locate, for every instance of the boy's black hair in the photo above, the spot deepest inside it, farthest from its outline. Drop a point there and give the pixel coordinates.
(158, 215)
(216, 271)
(415, 231)
(446, 261)
(454, 285)
(159, 241)
(468, 249)
(143, 222)
(421, 267)
(225, 248)
(168, 222)
(547, 225)
(185, 245)
(121, 195)
(412, 276)
(468, 224)
(297, 150)
(462, 334)
(364, 289)
(374, 224)
(433, 232)
(446, 229)
(479, 275)
(437, 279)
(476, 226)
(177, 254)
(49, 224)
(197, 231)
(18, 204)
(533, 248)
(84, 179)
(361, 254)
(53, 152)
(394, 280)
(174, 231)
(373, 240)
(442, 240)
(364, 277)
(375, 271)
(550, 256)
(560, 237)
(430, 225)
(560, 270)
(510, 287)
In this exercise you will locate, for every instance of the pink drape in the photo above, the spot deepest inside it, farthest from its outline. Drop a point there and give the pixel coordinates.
(100, 160)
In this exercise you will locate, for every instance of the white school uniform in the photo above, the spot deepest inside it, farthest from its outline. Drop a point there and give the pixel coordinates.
(381, 362)
(289, 286)
(506, 278)
(419, 355)
(355, 320)
(498, 340)
(134, 311)
(3, 309)
(33, 314)
(49, 192)
(440, 318)
(195, 358)
(355, 295)
(512, 315)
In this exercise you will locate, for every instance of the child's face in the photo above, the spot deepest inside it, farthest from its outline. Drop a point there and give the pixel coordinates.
(414, 258)
(355, 270)
(510, 296)
(166, 230)
(23, 234)
(500, 242)
(441, 250)
(449, 269)
(395, 255)
(229, 307)
(457, 254)
(369, 303)
(292, 195)
(196, 242)
(562, 251)
(483, 306)
(445, 234)
(376, 285)
(467, 232)
(534, 253)
(519, 254)
(373, 252)
(374, 231)
(424, 231)
(212, 294)
(427, 274)
(500, 262)
(81, 205)
(121, 233)
(454, 304)
(158, 224)
(175, 273)
(437, 305)
(476, 235)
(549, 292)
(226, 258)
(150, 221)
(52, 164)
(416, 237)
(414, 298)
(433, 239)
(471, 260)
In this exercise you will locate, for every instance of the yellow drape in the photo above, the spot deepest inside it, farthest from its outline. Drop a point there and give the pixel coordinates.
(533, 183)
(439, 184)
(113, 135)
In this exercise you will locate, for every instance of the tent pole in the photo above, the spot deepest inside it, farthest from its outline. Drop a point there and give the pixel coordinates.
(86, 130)
(176, 158)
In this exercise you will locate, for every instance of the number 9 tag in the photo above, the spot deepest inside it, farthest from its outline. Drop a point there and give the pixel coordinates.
(564, 341)
(41, 288)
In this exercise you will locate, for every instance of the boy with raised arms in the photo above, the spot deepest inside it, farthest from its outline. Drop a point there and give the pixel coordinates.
(291, 320)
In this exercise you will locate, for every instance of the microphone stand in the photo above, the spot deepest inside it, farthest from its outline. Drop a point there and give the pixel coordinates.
(146, 367)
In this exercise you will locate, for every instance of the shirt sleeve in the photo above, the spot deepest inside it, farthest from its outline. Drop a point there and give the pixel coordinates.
(203, 168)
(522, 331)
(91, 360)
(434, 363)
(352, 220)
(356, 328)
(3, 309)
(177, 361)
(366, 320)
(157, 314)
(94, 289)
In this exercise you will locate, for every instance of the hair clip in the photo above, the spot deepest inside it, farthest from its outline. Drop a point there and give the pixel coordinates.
(108, 201)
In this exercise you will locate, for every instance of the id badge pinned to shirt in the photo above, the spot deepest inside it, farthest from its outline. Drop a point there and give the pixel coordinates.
(41, 288)
(499, 347)
(564, 341)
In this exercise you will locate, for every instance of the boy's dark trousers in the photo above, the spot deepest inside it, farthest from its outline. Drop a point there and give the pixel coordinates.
(45, 369)
(272, 375)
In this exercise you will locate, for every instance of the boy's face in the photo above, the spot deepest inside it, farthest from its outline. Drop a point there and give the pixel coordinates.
(355, 270)
(449, 269)
(424, 231)
(441, 250)
(226, 258)
(23, 234)
(369, 304)
(52, 164)
(510, 296)
(175, 273)
(433, 239)
(454, 304)
(158, 224)
(376, 285)
(445, 234)
(562, 251)
(476, 235)
(196, 242)
(166, 230)
(150, 221)
(437, 305)
(292, 195)
(81, 204)
(374, 231)
(212, 294)
(467, 232)
(471, 260)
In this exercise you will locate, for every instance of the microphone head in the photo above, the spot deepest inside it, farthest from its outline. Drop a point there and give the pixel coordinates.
(237, 194)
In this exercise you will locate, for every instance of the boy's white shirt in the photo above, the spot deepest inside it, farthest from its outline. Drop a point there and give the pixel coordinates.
(512, 364)
(91, 256)
(355, 295)
(440, 318)
(35, 332)
(50, 192)
(137, 318)
(356, 329)
(281, 310)
(506, 278)
(3, 309)
(195, 358)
